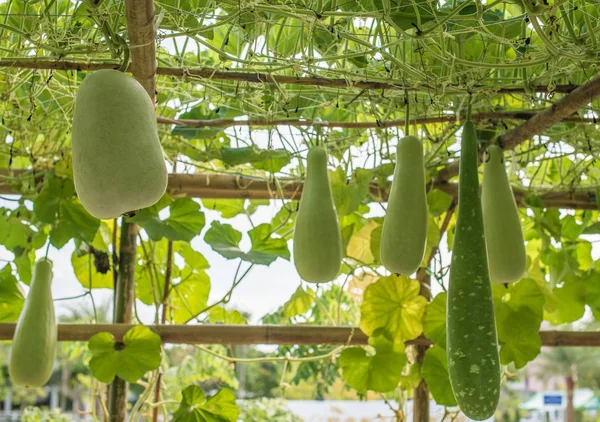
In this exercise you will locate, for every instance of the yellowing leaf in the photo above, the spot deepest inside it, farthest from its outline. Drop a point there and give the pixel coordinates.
(85, 271)
(357, 286)
(359, 247)
(392, 307)
(299, 303)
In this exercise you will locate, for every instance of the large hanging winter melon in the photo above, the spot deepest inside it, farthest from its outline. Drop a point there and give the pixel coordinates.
(118, 163)
(33, 348)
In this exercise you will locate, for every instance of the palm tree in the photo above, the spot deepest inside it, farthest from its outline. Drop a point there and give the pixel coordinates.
(566, 362)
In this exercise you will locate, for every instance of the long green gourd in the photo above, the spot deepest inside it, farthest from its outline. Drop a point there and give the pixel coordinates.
(33, 347)
(317, 236)
(472, 345)
(404, 232)
(507, 257)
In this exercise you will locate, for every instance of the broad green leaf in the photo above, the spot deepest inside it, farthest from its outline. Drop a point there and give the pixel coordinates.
(435, 373)
(583, 251)
(188, 298)
(11, 296)
(195, 407)
(434, 322)
(192, 258)
(140, 354)
(359, 246)
(220, 315)
(79, 221)
(392, 307)
(184, 222)
(380, 372)
(438, 202)
(228, 208)
(224, 239)
(46, 203)
(570, 301)
(271, 160)
(265, 248)
(23, 263)
(85, 271)
(285, 36)
(519, 314)
(14, 234)
(348, 195)
(300, 302)
(592, 295)
(411, 377)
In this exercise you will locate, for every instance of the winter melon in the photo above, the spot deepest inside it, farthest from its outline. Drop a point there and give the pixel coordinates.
(471, 343)
(34, 343)
(317, 237)
(404, 232)
(118, 163)
(507, 258)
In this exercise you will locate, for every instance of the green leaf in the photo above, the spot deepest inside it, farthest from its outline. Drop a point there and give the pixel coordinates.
(140, 354)
(220, 315)
(438, 202)
(435, 373)
(592, 295)
(380, 372)
(193, 258)
(45, 205)
(265, 248)
(519, 314)
(570, 301)
(14, 234)
(82, 225)
(195, 408)
(228, 208)
(392, 307)
(434, 323)
(411, 377)
(85, 271)
(23, 263)
(11, 296)
(348, 195)
(285, 36)
(300, 302)
(184, 222)
(271, 160)
(190, 296)
(360, 245)
(593, 229)
(224, 240)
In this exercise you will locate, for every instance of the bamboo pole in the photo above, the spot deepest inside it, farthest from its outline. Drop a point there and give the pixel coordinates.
(357, 82)
(543, 120)
(273, 334)
(225, 186)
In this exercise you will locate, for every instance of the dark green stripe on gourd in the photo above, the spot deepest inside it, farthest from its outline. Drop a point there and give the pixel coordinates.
(472, 345)
(33, 348)
(317, 236)
(507, 257)
(404, 232)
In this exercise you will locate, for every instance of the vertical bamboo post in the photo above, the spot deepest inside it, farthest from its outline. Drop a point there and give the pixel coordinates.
(421, 393)
(123, 311)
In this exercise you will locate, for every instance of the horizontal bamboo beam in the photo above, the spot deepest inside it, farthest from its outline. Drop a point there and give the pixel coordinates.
(272, 334)
(224, 186)
(256, 77)
(356, 125)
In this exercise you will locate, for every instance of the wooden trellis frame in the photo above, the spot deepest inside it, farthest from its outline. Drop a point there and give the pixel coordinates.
(142, 36)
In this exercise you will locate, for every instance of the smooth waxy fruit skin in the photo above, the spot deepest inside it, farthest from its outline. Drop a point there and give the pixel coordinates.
(317, 236)
(404, 232)
(507, 257)
(33, 348)
(472, 344)
(118, 163)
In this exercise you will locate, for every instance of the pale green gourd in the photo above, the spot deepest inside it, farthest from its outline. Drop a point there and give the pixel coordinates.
(404, 232)
(33, 349)
(317, 237)
(507, 257)
(118, 163)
